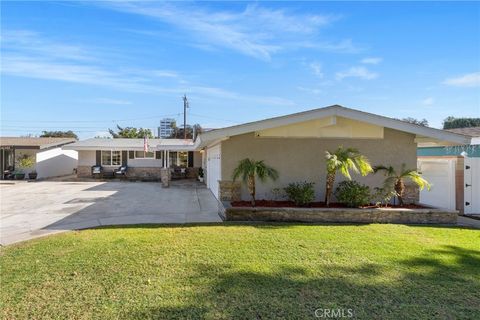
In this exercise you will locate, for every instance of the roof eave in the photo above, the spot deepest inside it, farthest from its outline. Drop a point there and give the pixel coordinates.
(334, 110)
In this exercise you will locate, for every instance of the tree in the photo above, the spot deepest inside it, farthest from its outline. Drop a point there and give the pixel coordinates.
(249, 170)
(453, 123)
(131, 133)
(59, 134)
(344, 160)
(423, 122)
(395, 180)
(178, 131)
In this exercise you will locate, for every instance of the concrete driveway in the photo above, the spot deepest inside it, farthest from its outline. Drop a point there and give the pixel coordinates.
(30, 210)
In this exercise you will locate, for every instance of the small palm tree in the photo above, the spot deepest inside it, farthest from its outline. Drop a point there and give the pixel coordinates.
(344, 160)
(396, 179)
(249, 169)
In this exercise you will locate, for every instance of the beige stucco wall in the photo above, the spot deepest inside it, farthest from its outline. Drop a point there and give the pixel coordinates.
(303, 159)
(197, 159)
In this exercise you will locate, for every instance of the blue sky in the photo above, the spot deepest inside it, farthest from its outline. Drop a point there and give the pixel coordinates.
(87, 66)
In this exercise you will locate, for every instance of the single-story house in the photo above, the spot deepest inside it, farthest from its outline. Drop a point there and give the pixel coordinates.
(454, 171)
(113, 153)
(295, 145)
(50, 159)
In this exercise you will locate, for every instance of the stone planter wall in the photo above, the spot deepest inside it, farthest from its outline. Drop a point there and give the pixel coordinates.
(229, 190)
(341, 215)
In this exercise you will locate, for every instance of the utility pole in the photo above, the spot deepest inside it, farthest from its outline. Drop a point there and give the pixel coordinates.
(185, 106)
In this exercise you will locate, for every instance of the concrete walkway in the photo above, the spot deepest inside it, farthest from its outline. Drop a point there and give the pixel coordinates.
(30, 210)
(468, 222)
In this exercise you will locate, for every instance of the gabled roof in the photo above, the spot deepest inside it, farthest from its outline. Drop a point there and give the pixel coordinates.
(207, 138)
(32, 142)
(131, 144)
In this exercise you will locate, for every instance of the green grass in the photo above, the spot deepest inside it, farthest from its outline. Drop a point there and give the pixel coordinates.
(249, 271)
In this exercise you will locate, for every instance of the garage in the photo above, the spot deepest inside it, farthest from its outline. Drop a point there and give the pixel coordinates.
(214, 168)
(440, 173)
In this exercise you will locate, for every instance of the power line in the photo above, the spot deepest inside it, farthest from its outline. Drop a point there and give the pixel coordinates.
(90, 121)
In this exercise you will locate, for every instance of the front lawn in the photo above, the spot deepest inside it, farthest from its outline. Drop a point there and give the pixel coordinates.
(244, 271)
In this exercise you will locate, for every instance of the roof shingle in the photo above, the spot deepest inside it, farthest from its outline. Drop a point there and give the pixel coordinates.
(41, 143)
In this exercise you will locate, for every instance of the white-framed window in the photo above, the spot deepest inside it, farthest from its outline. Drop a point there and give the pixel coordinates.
(111, 158)
(178, 158)
(144, 155)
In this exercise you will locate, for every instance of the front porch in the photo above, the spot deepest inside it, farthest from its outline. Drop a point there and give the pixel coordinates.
(140, 165)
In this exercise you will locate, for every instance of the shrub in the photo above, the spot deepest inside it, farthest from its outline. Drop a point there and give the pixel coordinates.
(352, 194)
(278, 194)
(382, 196)
(25, 162)
(302, 193)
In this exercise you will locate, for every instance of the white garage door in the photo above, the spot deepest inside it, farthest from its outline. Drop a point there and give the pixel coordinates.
(214, 168)
(441, 175)
(472, 185)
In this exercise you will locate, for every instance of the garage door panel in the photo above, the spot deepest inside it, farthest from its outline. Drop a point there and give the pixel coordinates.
(441, 175)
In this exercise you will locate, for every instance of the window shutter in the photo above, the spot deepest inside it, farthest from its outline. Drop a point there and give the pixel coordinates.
(98, 157)
(124, 158)
(190, 159)
(131, 154)
(158, 154)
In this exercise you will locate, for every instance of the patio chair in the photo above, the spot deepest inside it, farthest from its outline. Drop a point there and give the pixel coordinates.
(121, 171)
(9, 174)
(97, 171)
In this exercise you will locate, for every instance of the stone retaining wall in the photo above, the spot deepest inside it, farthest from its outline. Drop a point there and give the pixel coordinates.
(229, 190)
(341, 215)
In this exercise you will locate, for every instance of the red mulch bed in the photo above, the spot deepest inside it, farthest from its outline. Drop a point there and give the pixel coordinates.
(290, 204)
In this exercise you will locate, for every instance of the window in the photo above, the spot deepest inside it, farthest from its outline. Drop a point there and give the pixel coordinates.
(172, 158)
(183, 159)
(178, 159)
(144, 155)
(111, 158)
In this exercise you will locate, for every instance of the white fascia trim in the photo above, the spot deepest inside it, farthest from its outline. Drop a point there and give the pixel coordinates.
(334, 111)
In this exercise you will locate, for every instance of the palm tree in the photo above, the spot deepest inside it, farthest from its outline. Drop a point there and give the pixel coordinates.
(249, 169)
(396, 179)
(344, 160)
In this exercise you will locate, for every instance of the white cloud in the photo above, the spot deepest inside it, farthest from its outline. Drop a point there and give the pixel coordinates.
(371, 60)
(26, 61)
(356, 72)
(316, 69)
(466, 80)
(428, 101)
(256, 31)
(17, 41)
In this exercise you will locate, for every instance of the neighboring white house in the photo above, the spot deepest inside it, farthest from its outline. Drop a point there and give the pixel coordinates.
(50, 159)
